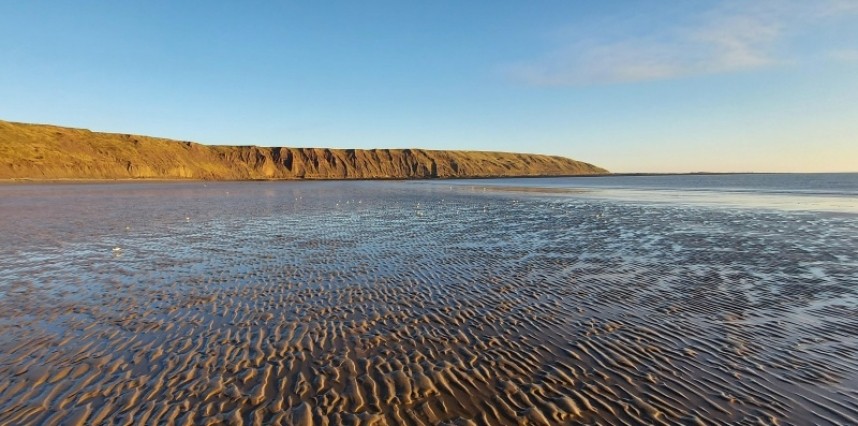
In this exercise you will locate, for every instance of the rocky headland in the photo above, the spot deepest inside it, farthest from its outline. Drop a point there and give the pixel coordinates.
(45, 152)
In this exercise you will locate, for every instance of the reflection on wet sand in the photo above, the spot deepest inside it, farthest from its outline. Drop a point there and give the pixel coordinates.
(375, 303)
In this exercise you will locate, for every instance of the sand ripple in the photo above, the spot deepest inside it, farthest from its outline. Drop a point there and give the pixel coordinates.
(390, 303)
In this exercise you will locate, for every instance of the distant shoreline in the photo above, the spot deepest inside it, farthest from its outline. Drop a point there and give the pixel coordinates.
(311, 179)
(8, 181)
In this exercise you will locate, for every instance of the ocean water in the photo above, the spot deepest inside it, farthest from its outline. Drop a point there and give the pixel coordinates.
(832, 192)
(673, 300)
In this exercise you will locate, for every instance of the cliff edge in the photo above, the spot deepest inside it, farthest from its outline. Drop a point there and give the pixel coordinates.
(35, 151)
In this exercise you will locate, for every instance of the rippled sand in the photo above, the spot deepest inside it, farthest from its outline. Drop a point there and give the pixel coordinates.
(395, 303)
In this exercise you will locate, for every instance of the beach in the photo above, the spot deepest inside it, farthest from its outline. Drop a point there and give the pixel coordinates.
(423, 303)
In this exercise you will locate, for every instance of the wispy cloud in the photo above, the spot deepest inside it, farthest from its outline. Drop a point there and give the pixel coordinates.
(836, 7)
(730, 38)
(844, 55)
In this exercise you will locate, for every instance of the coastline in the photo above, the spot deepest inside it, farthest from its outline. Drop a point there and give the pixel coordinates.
(310, 179)
(403, 179)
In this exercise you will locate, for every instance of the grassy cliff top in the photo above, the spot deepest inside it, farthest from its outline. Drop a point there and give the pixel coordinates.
(36, 151)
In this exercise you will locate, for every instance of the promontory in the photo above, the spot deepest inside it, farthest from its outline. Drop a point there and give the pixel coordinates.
(45, 152)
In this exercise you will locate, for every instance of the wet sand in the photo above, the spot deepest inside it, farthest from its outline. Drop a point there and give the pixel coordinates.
(390, 303)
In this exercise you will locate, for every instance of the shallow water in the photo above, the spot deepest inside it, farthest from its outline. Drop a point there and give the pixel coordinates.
(415, 303)
(818, 192)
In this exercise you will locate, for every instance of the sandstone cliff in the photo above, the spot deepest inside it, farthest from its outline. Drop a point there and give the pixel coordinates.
(32, 151)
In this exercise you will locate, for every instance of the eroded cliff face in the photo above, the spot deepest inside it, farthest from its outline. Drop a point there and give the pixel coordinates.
(30, 151)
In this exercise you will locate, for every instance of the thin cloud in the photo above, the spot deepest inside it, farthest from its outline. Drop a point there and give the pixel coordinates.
(723, 40)
(844, 55)
(837, 7)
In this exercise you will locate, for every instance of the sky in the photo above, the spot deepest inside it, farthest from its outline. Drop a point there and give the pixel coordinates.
(632, 86)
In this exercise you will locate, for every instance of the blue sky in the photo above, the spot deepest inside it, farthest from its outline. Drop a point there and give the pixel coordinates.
(634, 86)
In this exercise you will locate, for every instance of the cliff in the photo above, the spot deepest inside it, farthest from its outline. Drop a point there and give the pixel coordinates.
(34, 151)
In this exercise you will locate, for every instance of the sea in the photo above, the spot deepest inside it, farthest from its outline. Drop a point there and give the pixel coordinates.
(677, 299)
(831, 192)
